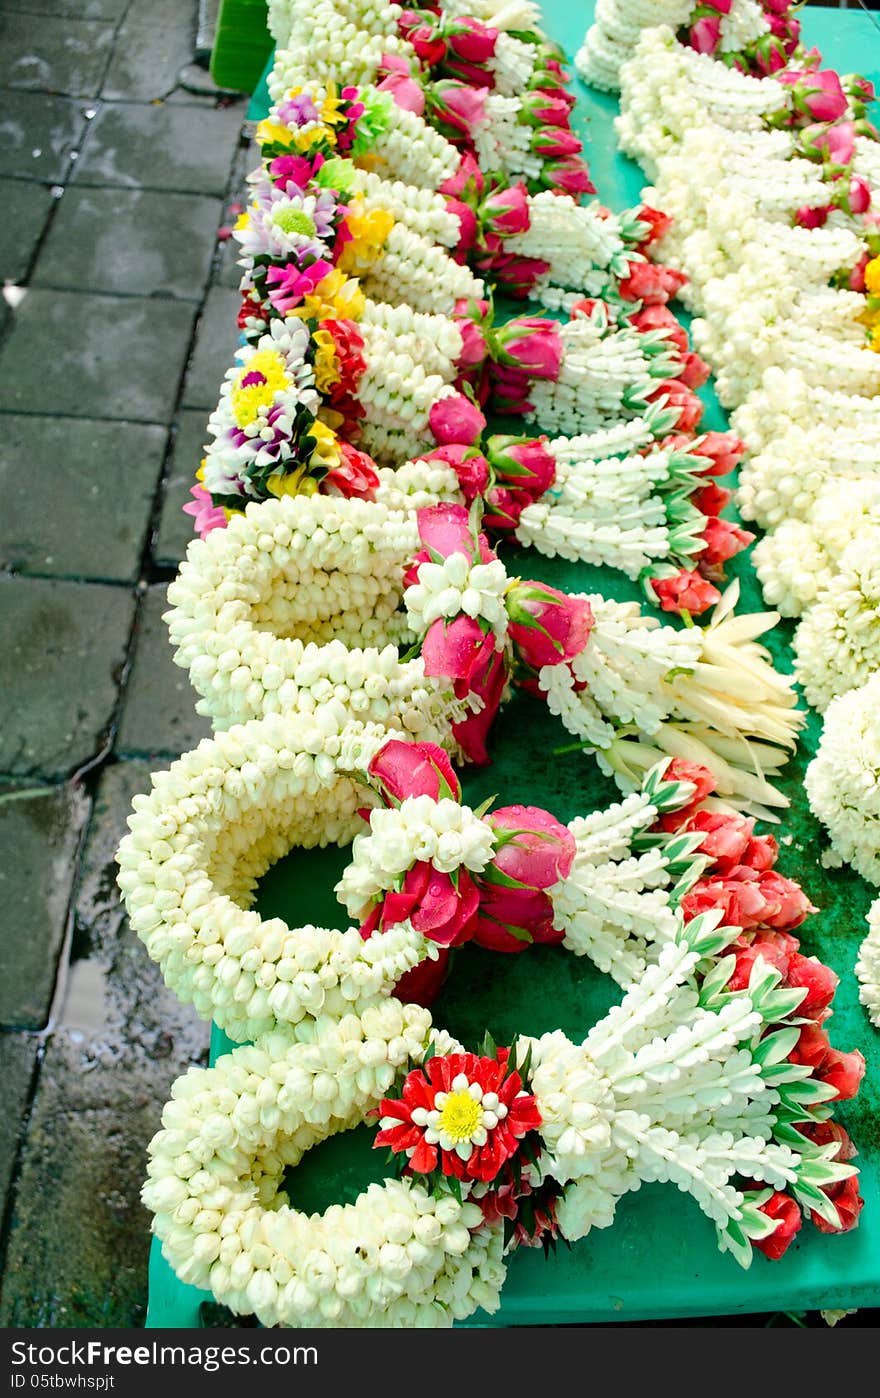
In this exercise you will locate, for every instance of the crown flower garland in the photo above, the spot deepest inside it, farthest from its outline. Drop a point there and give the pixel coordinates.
(504, 1147)
(300, 601)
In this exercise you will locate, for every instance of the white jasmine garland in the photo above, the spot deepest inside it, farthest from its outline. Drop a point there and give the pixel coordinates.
(837, 644)
(798, 560)
(843, 779)
(456, 585)
(868, 966)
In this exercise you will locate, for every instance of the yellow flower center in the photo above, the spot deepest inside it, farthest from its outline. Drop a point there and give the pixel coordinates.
(460, 1116)
(257, 383)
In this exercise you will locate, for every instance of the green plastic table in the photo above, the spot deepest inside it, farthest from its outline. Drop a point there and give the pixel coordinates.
(659, 1259)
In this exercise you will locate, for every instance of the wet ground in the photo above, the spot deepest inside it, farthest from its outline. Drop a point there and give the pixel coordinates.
(116, 326)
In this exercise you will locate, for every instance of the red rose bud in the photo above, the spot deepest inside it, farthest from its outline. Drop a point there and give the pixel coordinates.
(555, 143)
(402, 769)
(458, 650)
(651, 283)
(856, 280)
(471, 40)
(679, 396)
(467, 224)
(510, 390)
(423, 983)
(468, 178)
(705, 35)
(811, 1049)
(547, 108)
(488, 683)
(819, 981)
(660, 225)
(789, 1220)
(685, 592)
(812, 218)
(700, 777)
(532, 345)
(569, 176)
(659, 317)
(473, 345)
(355, 477)
(843, 1072)
(844, 1195)
(547, 627)
(858, 199)
(442, 910)
(527, 911)
(506, 211)
(725, 838)
(430, 46)
(750, 898)
(822, 1133)
(469, 465)
(517, 275)
(766, 951)
(711, 499)
(503, 509)
(723, 540)
(455, 419)
(694, 371)
(723, 449)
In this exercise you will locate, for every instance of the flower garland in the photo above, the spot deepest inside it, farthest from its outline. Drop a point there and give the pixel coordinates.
(301, 601)
(544, 1143)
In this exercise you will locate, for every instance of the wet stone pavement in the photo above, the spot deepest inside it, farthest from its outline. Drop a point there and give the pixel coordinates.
(117, 324)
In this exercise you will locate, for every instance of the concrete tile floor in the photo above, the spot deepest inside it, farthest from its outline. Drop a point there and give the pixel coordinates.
(107, 300)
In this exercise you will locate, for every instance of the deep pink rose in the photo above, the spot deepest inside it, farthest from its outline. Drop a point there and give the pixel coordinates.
(816, 94)
(473, 345)
(805, 217)
(458, 106)
(723, 540)
(685, 592)
(569, 175)
(534, 848)
(517, 275)
(443, 910)
(446, 529)
(488, 684)
(469, 465)
(522, 463)
(838, 141)
(471, 40)
(527, 910)
(423, 983)
(429, 45)
(547, 627)
(467, 178)
(506, 211)
(457, 650)
(650, 283)
(532, 345)
(547, 108)
(455, 419)
(705, 35)
(786, 1210)
(467, 222)
(556, 143)
(402, 769)
(405, 90)
(858, 195)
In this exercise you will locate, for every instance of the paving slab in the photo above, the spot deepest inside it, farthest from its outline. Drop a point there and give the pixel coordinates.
(101, 479)
(135, 242)
(95, 356)
(18, 1053)
(176, 528)
(25, 209)
(148, 58)
(38, 135)
(38, 53)
(159, 714)
(217, 338)
(39, 836)
(161, 146)
(63, 645)
(79, 1236)
(70, 9)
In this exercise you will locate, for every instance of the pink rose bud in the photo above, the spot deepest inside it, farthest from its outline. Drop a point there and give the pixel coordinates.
(547, 627)
(685, 592)
(531, 344)
(650, 283)
(677, 395)
(838, 142)
(724, 540)
(819, 981)
(467, 223)
(473, 346)
(555, 142)
(532, 846)
(725, 838)
(705, 35)
(405, 91)
(812, 218)
(569, 176)
(786, 1212)
(428, 43)
(547, 108)
(858, 195)
(423, 983)
(457, 650)
(818, 95)
(512, 919)
(455, 419)
(517, 275)
(488, 683)
(506, 211)
(457, 106)
(856, 280)
(659, 317)
(469, 465)
(468, 178)
(471, 40)
(402, 769)
(442, 909)
(660, 225)
(523, 462)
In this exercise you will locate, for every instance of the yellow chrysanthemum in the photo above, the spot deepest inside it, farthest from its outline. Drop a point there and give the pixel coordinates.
(369, 233)
(331, 107)
(312, 136)
(326, 452)
(256, 384)
(872, 277)
(296, 483)
(272, 133)
(336, 297)
(243, 219)
(326, 361)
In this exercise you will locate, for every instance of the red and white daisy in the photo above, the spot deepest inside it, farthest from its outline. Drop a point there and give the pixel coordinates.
(464, 1114)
